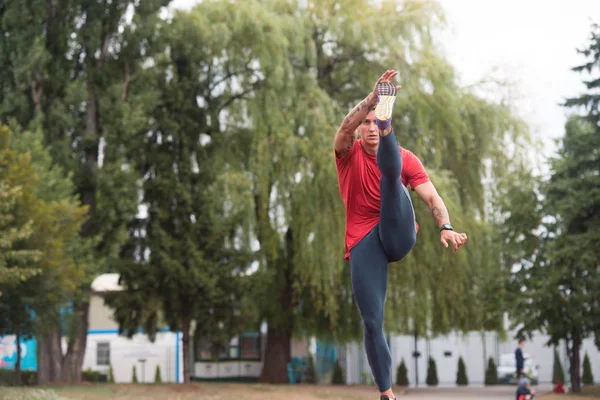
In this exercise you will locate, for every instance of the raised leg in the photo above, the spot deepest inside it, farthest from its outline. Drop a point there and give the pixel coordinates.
(397, 216)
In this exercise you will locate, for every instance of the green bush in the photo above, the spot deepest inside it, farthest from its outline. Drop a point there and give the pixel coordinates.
(337, 377)
(134, 378)
(558, 373)
(111, 376)
(461, 374)
(587, 378)
(7, 377)
(157, 377)
(432, 378)
(93, 376)
(491, 374)
(402, 374)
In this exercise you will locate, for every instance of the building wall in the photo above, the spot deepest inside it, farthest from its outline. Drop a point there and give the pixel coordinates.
(165, 352)
(447, 349)
(100, 315)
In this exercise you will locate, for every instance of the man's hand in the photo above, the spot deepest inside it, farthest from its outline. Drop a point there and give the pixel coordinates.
(387, 76)
(457, 239)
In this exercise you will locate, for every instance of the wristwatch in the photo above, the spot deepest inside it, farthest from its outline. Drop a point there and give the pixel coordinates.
(446, 227)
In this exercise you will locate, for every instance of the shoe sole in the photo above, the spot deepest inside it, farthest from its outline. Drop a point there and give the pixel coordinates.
(386, 92)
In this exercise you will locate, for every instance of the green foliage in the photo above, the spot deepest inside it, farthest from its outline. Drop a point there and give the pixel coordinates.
(157, 377)
(558, 373)
(461, 374)
(134, 378)
(491, 373)
(337, 377)
(587, 377)
(402, 374)
(93, 376)
(111, 376)
(310, 375)
(432, 377)
(556, 286)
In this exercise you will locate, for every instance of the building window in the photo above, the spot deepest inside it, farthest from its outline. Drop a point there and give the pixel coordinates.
(245, 347)
(103, 353)
(250, 346)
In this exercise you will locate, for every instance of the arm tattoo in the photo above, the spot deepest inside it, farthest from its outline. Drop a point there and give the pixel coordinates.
(440, 214)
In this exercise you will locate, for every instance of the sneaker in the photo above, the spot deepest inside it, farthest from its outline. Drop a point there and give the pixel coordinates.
(386, 398)
(386, 93)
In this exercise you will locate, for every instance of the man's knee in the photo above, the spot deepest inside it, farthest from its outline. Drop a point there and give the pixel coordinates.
(402, 246)
(373, 325)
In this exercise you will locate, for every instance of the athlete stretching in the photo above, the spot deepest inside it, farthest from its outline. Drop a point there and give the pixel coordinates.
(380, 220)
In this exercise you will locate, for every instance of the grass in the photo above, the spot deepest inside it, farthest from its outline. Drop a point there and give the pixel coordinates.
(587, 393)
(213, 391)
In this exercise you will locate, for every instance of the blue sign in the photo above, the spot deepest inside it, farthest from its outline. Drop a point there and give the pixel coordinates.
(8, 353)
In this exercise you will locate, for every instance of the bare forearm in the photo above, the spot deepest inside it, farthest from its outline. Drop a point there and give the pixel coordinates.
(358, 113)
(439, 211)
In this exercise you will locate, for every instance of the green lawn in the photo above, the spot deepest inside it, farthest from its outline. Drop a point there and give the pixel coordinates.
(213, 391)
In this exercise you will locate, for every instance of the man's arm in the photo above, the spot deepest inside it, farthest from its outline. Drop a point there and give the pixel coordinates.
(346, 133)
(428, 193)
(430, 196)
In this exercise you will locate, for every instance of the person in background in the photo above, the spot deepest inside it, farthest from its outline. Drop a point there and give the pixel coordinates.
(520, 359)
(525, 392)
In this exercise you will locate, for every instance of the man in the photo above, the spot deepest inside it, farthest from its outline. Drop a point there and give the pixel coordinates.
(380, 220)
(520, 359)
(525, 392)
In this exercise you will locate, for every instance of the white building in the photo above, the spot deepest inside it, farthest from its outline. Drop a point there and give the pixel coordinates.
(446, 351)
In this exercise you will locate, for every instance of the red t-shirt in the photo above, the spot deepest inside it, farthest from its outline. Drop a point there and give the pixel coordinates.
(358, 177)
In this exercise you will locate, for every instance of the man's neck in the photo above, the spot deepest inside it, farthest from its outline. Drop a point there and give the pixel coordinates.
(370, 149)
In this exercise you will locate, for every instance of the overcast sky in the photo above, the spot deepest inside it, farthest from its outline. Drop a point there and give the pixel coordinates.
(532, 43)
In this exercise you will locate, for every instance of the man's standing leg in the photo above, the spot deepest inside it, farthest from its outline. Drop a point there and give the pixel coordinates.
(369, 269)
(397, 216)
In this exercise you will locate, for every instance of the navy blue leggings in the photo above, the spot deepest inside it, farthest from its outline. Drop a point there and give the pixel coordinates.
(391, 240)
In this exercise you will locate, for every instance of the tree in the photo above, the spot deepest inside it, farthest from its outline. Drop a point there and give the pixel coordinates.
(68, 68)
(558, 373)
(432, 377)
(558, 285)
(587, 377)
(311, 373)
(134, 378)
(337, 377)
(402, 374)
(461, 374)
(47, 206)
(491, 373)
(16, 180)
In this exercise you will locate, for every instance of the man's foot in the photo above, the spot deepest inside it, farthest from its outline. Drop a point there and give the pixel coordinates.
(384, 397)
(386, 93)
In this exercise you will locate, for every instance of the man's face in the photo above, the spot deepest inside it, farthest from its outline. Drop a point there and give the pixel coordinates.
(522, 344)
(368, 129)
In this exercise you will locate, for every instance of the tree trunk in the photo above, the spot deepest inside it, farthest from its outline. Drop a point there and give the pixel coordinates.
(575, 361)
(277, 356)
(279, 333)
(73, 360)
(185, 346)
(43, 359)
(18, 381)
(49, 356)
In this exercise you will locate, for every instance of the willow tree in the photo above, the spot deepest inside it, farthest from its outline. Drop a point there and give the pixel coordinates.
(281, 135)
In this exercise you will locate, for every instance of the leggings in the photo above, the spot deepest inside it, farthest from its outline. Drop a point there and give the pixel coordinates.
(390, 240)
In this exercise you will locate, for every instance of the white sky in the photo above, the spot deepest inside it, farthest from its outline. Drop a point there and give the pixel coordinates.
(531, 43)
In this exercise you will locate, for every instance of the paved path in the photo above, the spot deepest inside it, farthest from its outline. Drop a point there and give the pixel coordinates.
(496, 392)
